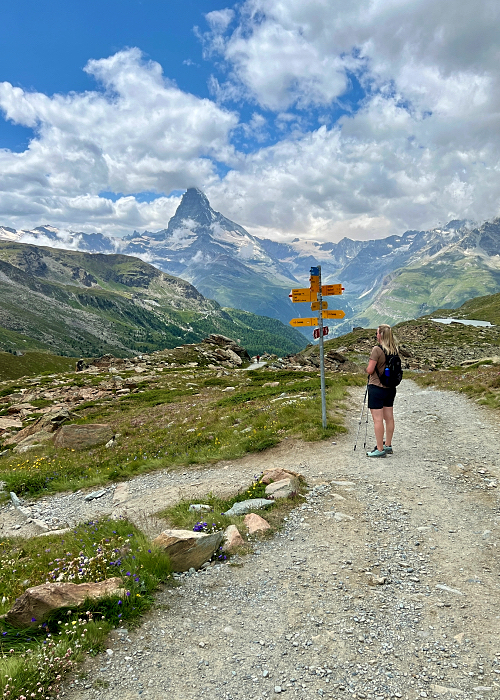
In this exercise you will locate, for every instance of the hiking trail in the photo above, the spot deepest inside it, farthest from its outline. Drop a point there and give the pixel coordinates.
(384, 584)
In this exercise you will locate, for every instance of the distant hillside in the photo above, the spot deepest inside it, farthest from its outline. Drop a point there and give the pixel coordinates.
(74, 303)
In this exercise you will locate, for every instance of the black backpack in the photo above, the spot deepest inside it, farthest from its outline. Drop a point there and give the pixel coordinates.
(393, 372)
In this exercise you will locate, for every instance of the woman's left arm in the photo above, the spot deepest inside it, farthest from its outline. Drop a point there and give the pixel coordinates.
(371, 367)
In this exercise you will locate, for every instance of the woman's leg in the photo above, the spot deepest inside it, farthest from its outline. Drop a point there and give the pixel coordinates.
(388, 416)
(378, 425)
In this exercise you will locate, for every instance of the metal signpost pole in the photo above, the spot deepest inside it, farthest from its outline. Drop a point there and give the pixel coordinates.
(321, 354)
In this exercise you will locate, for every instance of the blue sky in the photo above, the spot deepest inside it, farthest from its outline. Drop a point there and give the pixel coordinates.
(307, 118)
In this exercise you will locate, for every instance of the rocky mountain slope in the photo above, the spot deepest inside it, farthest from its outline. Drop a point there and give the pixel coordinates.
(385, 280)
(89, 304)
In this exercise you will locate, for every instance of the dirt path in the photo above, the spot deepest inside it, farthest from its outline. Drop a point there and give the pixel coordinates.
(302, 617)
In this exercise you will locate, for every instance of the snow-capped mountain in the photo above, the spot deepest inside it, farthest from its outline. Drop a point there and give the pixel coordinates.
(389, 279)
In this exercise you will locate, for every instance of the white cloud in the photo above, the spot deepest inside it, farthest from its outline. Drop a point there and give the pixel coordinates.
(141, 133)
(422, 145)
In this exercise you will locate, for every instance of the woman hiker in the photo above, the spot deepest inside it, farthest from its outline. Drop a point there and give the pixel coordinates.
(381, 398)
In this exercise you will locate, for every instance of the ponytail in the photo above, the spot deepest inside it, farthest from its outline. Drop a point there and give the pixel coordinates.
(387, 340)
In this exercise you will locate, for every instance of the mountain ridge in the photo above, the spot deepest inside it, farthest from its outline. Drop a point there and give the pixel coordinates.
(78, 303)
(388, 279)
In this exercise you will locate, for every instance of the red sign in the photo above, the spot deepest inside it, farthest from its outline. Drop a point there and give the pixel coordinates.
(316, 332)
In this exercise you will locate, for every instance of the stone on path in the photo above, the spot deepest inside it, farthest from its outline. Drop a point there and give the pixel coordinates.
(95, 494)
(121, 493)
(15, 500)
(187, 549)
(255, 523)
(247, 506)
(35, 605)
(232, 539)
(276, 474)
(442, 587)
(284, 488)
(79, 437)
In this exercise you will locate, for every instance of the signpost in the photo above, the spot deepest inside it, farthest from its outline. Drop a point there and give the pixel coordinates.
(314, 295)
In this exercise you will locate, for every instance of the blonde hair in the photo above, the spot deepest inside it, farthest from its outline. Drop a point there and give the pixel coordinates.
(387, 340)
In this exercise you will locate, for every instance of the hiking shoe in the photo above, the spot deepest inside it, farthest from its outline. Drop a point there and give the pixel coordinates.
(376, 453)
(388, 449)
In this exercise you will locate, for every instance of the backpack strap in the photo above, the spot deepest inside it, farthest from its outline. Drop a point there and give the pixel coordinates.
(376, 366)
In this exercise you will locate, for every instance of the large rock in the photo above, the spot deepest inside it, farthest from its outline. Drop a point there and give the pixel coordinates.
(247, 506)
(187, 549)
(278, 474)
(283, 488)
(7, 423)
(35, 605)
(232, 539)
(47, 423)
(255, 523)
(32, 441)
(79, 437)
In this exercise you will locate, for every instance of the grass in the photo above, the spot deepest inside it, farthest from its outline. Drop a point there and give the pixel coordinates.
(179, 515)
(32, 363)
(38, 657)
(173, 425)
(480, 382)
(33, 661)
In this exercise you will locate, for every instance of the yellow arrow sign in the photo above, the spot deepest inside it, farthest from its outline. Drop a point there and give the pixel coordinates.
(304, 322)
(333, 314)
(328, 290)
(303, 294)
(315, 306)
(314, 283)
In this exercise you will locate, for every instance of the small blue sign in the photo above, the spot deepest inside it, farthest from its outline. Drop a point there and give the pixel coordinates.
(314, 271)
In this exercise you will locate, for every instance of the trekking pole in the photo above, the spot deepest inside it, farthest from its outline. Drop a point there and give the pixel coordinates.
(366, 428)
(361, 418)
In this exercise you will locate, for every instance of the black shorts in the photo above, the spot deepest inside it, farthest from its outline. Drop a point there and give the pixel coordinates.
(379, 397)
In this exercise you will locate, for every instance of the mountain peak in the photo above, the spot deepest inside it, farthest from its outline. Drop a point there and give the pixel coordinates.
(194, 205)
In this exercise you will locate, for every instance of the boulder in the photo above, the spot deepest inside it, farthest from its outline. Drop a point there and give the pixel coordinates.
(337, 356)
(35, 605)
(6, 423)
(79, 437)
(255, 523)
(283, 488)
(187, 549)
(32, 441)
(48, 423)
(232, 539)
(277, 475)
(247, 506)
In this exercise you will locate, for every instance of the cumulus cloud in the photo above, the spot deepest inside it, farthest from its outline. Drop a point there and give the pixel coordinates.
(421, 146)
(138, 133)
(361, 119)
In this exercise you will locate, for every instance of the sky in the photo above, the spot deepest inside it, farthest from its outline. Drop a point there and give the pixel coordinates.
(311, 118)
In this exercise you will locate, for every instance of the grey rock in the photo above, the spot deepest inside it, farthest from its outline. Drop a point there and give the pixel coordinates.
(199, 507)
(244, 507)
(15, 500)
(95, 494)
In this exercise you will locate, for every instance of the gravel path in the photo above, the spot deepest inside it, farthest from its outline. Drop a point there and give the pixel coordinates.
(384, 584)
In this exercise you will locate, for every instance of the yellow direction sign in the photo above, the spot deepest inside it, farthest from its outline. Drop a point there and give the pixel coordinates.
(315, 306)
(314, 281)
(333, 314)
(304, 322)
(303, 294)
(328, 290)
